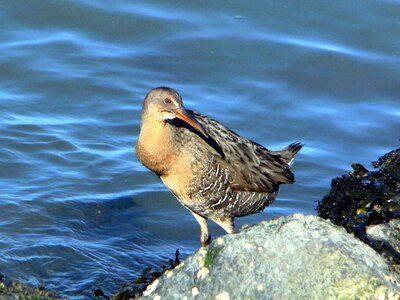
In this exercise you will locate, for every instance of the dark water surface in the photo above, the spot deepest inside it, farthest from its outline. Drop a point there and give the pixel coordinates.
(77, 211)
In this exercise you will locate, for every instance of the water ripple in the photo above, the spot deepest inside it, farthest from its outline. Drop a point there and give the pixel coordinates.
(78, 211)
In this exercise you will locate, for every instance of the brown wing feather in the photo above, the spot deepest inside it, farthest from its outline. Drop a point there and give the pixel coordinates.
(253, 167)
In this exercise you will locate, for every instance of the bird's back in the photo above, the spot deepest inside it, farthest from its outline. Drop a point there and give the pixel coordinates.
(255, 168)
(233, 175)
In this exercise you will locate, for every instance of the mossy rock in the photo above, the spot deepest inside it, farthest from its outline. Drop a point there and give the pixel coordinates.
(211, 255)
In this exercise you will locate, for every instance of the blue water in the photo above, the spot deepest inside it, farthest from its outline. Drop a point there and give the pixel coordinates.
(77, 210)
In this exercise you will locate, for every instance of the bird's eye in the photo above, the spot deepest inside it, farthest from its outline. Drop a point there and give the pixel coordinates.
(167, 101)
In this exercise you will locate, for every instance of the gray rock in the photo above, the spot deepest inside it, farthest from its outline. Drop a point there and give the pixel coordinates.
(387, 232)
(293, 257)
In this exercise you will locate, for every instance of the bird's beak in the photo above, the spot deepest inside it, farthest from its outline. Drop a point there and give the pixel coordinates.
(182, 114)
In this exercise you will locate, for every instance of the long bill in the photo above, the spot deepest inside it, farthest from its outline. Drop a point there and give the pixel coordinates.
(182, 114)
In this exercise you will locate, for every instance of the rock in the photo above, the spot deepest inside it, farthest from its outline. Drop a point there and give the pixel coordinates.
(10, 289)
(292, 257)
(388, 232)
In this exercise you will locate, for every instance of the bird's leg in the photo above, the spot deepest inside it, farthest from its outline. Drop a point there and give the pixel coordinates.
(205, 237)
(228, 223)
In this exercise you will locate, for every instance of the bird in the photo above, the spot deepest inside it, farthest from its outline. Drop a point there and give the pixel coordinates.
(211, 170)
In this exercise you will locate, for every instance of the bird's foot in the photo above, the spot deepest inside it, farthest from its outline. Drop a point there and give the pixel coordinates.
(205, 240)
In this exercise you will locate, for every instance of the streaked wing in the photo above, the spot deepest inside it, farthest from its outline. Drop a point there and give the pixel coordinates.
(253, 167)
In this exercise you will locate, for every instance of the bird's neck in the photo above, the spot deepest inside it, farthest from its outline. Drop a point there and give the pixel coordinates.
(155, 147)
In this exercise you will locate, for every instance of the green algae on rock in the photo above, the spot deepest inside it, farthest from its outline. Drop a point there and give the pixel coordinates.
(211, 255)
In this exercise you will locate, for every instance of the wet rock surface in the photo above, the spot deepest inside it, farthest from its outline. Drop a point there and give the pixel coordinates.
(291, 257)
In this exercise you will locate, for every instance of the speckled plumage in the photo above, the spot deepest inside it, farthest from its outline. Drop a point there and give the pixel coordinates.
(211, 170)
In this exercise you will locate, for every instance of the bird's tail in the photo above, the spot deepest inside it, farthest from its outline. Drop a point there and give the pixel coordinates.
(290, 152)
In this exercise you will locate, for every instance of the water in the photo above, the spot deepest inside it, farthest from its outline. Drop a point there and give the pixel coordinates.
(77, 210)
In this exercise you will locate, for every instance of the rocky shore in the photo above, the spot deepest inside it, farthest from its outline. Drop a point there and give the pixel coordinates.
(351, 250)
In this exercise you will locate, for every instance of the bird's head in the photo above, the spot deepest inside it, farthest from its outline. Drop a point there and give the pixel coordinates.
(165, 104)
